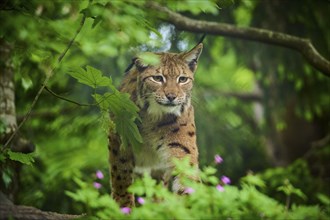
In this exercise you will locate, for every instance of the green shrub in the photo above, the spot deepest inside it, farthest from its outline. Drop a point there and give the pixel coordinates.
(209, 199)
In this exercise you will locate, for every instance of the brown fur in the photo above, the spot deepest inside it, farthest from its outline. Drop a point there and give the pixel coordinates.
(163, 94)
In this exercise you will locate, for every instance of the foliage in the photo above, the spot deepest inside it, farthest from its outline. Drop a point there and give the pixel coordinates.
(92, 200)
(7, 157)
(20, 157)
(7, 154)
(156, 202)
(124, 111)
(282, 179)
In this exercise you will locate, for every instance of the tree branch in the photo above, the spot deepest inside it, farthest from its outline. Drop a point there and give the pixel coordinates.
(18, 212)
(302, 45)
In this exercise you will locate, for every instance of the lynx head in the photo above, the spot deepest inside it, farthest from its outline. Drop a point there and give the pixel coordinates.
(166, 87)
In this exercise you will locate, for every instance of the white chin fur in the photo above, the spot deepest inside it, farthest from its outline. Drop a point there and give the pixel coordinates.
(157, 110)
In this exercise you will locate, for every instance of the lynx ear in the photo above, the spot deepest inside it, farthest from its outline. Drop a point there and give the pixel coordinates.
(191, 57)
(140, 65)
(145, 60)
(136, 62)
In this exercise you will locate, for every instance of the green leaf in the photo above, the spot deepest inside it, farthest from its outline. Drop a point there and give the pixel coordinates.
(287, 188)
(96, 21)
(93, 10)
(125, 114)
(7, 176)
(195, 7)
(147, 24)
(209, 170)
(299, 193)
(253, 180)
(20, 157)
(91, 77)
(323, 199)
(127, 130)
(26, 82)
(149, 58)
(213, 180)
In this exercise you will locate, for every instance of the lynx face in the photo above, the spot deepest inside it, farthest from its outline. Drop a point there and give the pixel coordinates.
(166, 88)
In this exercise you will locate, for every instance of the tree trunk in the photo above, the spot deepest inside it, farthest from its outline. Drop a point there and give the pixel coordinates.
(8, 122)
(7, 93)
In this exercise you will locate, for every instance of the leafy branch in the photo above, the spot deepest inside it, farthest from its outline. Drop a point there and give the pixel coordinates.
(124, 112)
(302, 45)
(288, 189)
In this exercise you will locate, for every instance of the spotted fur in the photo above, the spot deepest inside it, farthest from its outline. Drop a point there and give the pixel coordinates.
(163, 94)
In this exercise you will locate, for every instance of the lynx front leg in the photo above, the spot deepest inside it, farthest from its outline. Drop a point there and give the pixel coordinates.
(121, 171)
(174, 181)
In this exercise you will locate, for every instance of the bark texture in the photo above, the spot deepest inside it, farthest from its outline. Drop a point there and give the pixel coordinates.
(7, 93)
(20, 212)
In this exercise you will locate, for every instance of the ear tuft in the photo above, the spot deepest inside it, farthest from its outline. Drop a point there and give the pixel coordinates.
(191, 57)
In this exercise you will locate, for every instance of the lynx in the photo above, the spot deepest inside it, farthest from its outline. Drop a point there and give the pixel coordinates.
(163, 94)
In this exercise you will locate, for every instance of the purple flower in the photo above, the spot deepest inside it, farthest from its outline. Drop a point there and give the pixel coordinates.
(99, 174)
(125, 210)
(218, 159)
(97, 185)
(141, 200)
(220, 188)
(189, 190)
(225, 180)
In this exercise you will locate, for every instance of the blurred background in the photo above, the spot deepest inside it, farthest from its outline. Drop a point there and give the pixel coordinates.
(263, 108)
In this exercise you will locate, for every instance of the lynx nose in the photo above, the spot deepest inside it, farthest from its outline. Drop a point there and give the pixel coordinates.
(170, 97)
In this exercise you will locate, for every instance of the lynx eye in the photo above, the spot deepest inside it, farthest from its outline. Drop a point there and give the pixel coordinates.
(158, 78)
(183, 79)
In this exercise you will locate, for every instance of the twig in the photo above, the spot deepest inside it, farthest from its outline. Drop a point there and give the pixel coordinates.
(66, 99)
(302, 45)
(77, 103)
(49, 74)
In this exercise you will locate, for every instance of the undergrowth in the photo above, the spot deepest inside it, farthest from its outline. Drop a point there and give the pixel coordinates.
(212, 198)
